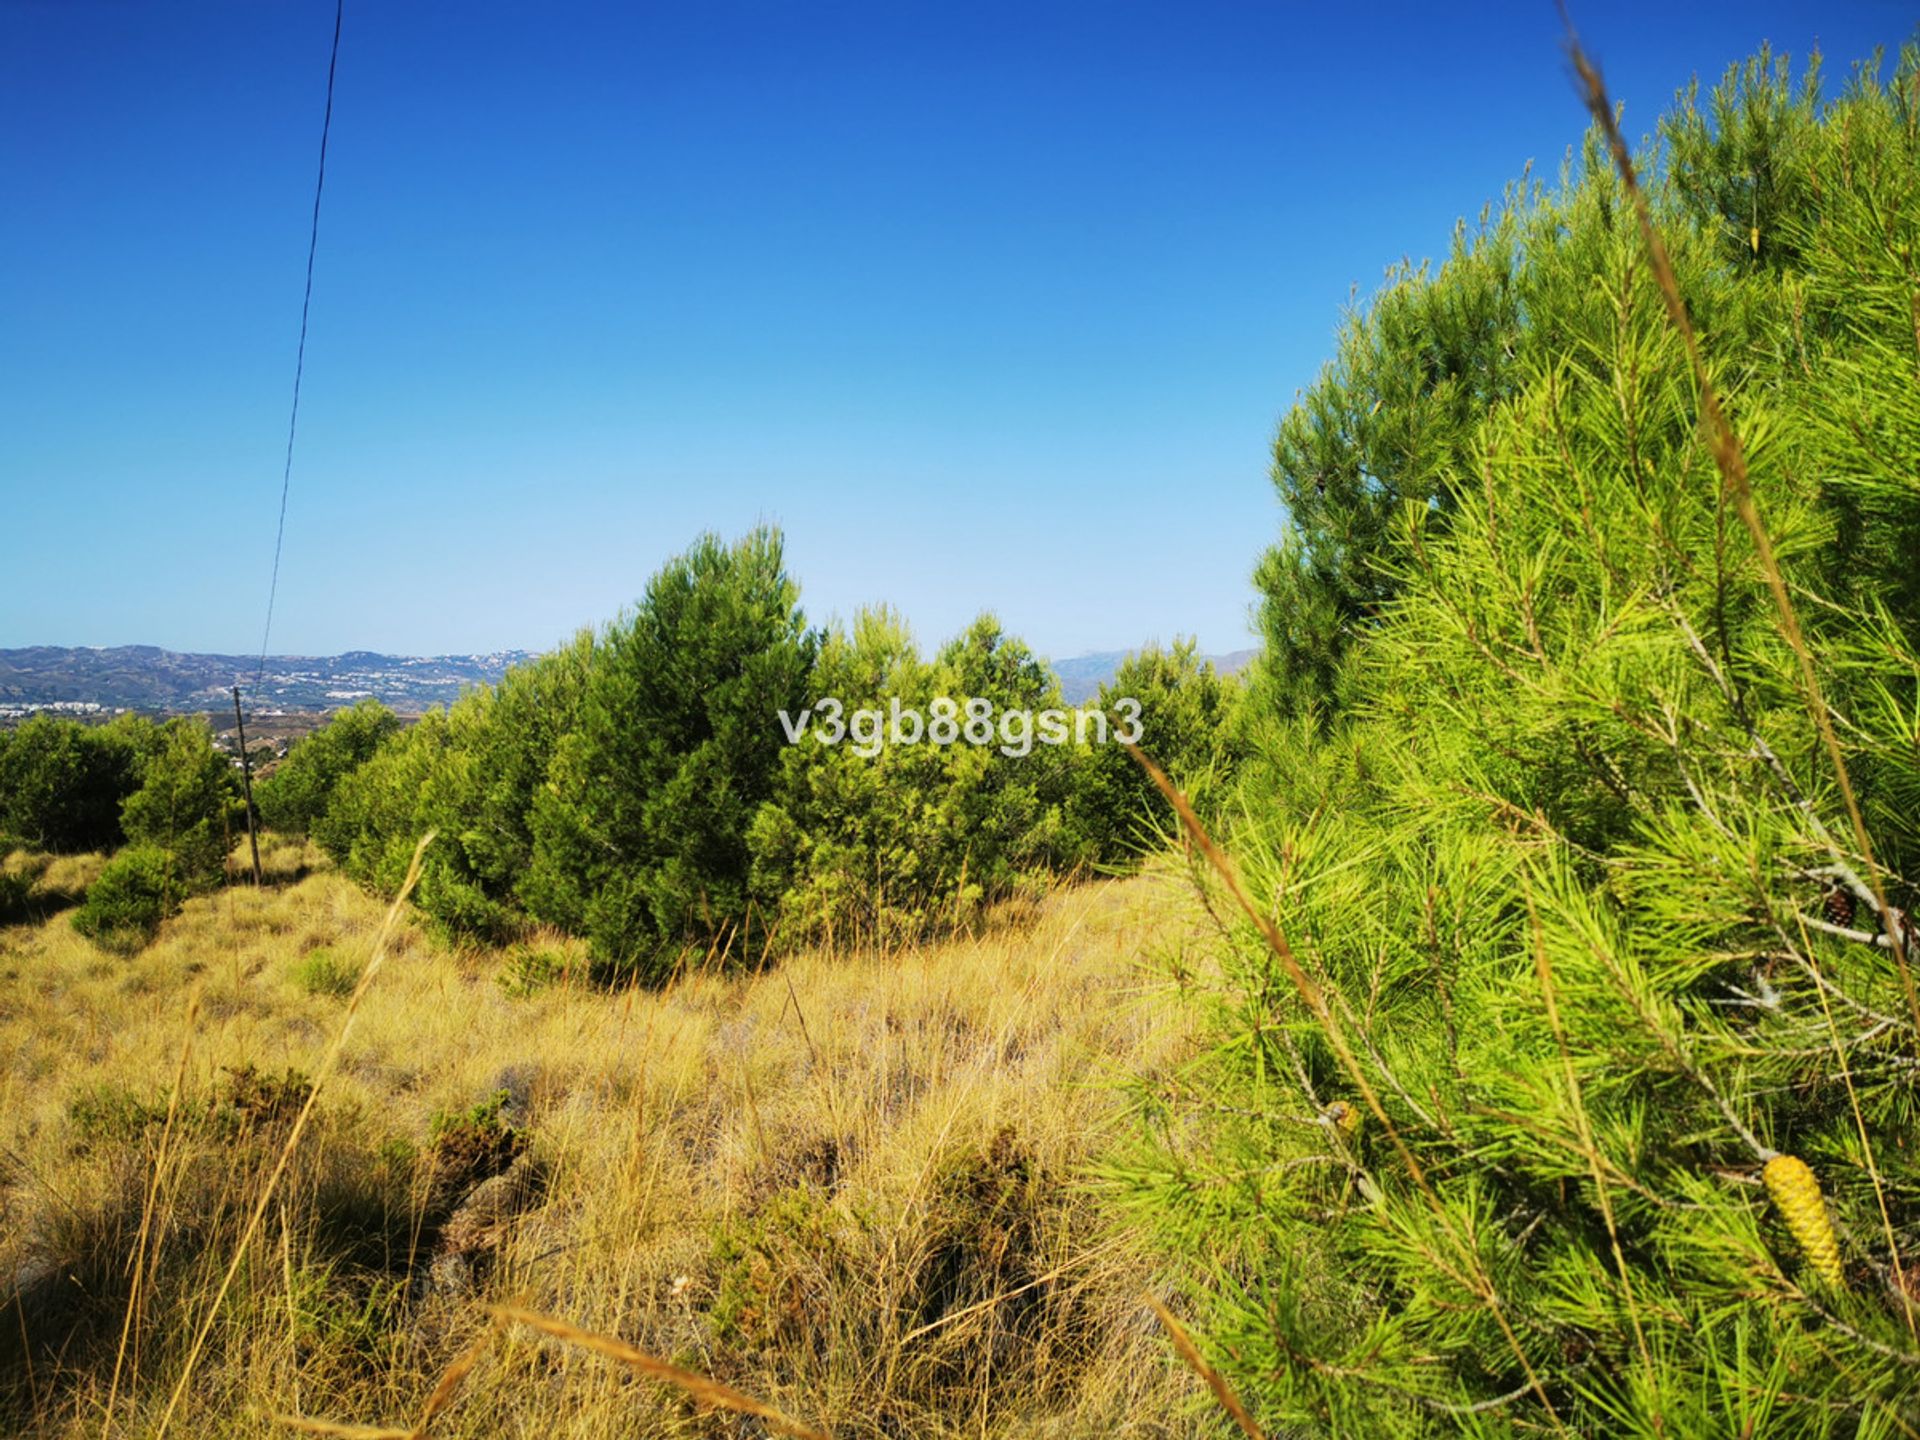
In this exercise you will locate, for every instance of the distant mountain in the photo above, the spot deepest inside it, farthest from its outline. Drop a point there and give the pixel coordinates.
(145, 677)
(1082, 675)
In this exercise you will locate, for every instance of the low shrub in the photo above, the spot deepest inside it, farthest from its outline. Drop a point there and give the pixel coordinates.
(139, 888)
(468, 1146)
(107, 1114)
(529, 969)
(322, 972)
(16, 889)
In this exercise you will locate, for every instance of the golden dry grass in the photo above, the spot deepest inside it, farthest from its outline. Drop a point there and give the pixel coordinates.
(850, 1187)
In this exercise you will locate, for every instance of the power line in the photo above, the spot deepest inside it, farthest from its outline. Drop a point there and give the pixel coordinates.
(300, 358)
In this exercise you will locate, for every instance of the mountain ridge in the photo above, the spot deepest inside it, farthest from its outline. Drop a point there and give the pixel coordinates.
(88, 679)
(150, 677)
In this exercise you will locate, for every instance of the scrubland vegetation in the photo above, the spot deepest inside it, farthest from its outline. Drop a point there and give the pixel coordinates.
(854, 1186)
(1521, 1037)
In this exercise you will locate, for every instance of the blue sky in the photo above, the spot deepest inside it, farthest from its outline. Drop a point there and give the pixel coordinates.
(989, 305)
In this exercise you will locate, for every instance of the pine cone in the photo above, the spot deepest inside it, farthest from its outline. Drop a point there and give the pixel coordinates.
(1346, 1116)
(1797, 1193)
(1839, 907)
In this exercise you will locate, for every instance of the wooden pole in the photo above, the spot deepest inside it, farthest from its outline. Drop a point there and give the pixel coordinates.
(246, 784)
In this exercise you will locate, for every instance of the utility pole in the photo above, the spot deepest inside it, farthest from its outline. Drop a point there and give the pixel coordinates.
(246, 784)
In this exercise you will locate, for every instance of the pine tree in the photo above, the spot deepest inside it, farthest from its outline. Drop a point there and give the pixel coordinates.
(880, 838)
(640, 835)
(1188, 723)
(1549, 894)
(297, 791)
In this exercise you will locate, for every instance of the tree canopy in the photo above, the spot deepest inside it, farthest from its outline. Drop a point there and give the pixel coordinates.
(1572, 1089)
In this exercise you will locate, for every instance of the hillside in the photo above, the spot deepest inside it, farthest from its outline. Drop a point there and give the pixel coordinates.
(1496, 1016)
(145, 677)
(148, 678)
(845, 1187)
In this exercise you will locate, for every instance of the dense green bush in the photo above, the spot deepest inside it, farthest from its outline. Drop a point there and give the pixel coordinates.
(604, 788)
(1189, 726)
(296, 792)
(608, 787)
(140, 887)
(470, 775)
(1576, 933)
(185, 803)
(177, 824)
(639, 788)
(62, 782)
(875, 839)
(1389, 423)
(500, 745)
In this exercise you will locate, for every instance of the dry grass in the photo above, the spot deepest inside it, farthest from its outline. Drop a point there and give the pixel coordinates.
(846, 1189)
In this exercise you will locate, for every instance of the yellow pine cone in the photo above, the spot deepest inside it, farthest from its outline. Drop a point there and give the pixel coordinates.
(1797, 1193)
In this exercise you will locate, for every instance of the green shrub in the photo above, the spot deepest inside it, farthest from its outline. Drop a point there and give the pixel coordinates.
(104, 1114)
(1189, 726)
(343, 1314)
(912, 837)
(176, 824)
(470, 774)
(322, 972)
(377, 812)
(62, 782)
(183, 805)
(297, 791)
(636, 789)
(775, 1268)
(527, 970)
(139, 888)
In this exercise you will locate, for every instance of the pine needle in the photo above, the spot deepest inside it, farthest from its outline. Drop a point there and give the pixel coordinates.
(1477, 1280)
(1730, 458)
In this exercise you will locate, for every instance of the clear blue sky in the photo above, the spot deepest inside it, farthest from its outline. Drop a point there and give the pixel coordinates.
(989, 305)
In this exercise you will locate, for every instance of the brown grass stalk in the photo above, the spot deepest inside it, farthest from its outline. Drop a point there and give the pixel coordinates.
(1476, 1280)
(327, 1063)
(698, 1387)
(1731, 460)
(147, 1211)
(344, 1431)
(1197, 1362)
(451, 1377)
